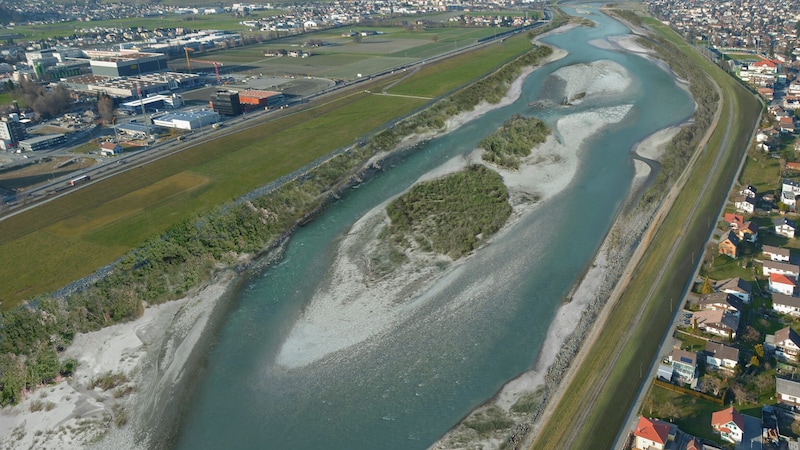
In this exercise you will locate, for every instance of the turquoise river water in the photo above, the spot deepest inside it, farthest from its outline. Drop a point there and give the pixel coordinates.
(405, 389)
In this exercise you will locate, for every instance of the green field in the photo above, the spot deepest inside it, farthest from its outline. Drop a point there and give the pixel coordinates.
(227, 22)
(602, 388)
(72, 236)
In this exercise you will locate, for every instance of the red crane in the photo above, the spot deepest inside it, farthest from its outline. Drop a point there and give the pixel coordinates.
(214, 63)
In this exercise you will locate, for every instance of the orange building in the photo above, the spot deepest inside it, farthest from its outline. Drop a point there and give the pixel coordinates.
(259, 98)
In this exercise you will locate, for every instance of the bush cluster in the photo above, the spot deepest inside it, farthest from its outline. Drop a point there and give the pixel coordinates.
(514, 140)
(453, 214)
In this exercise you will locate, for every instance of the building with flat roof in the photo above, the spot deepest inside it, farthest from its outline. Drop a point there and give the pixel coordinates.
(11, 133)
(226, 103)
(192, 120)
(42, 142)
(125, 63)
(259, 98)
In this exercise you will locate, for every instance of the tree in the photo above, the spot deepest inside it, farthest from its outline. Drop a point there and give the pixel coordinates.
(13, 378)
(357, 38)
(711, 384)
(759, 350)
(706, 288)
(105, 107)
(754, 361)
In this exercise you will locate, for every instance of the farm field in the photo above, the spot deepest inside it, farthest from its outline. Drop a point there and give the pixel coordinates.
(342, 58)
(100, 222)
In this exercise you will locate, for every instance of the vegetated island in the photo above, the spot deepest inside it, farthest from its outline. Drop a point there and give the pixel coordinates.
(192, 262)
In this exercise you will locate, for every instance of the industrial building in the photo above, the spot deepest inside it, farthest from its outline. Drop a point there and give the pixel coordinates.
(42, 142)
(136, 130)
(226, 103)
(255, 98)
(125, 63)
(132, 87)
(11, 133)
(152, 103)
(192, 120)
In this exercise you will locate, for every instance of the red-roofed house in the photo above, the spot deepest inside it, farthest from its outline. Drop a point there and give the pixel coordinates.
(652, 433)
(781, 284)
(786, 124)
(735, 220)
(729, 423)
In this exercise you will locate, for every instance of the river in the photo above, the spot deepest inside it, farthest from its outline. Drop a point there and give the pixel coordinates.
(480, 327)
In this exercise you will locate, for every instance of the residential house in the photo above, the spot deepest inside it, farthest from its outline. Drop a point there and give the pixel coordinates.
(786, 124)
(716, 321)
(696, 444)
(776, 253)
(749, 191)
(781, 284)
(720, 300)
(789, 198)
(734, 220)
(684, 366)
(786, 304)
(735, 286)
(721, 356)
(745, 204)
(729, 244)
(792, 186)
(110, 149)
(790, 270)
(653, 434)
(784, 227)
(785, 343)
(793, 165)
(729, 423)
(748, 232)
(788, 392)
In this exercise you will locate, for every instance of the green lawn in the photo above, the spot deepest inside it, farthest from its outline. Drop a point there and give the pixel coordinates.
(763, 172)
(692, 415)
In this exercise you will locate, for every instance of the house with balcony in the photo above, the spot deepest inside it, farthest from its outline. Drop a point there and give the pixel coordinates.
(729, 423)
(785, 343)
(738, 287)
(721, 356)
(779, 254)
(786, 304)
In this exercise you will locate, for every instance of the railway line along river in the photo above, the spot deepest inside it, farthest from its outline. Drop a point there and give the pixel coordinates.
(304, 361)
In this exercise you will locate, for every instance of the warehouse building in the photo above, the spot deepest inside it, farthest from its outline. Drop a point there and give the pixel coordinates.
(192, 120)
(255, 98)
(42, 142)
(226, 103)
(125, 63)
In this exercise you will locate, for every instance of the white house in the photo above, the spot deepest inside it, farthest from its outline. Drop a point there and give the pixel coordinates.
(729, 423)
(786, 304)
(789, 198)
(781, 284)
(784, 227)
(776, 253)
(769, 267)
(720, 356)
(716, 321)
(684, 366)
(749, 191)
(788, 391)
(785, 343)
(110, 149)
(744, 203)
(735, 286)
(653, 433)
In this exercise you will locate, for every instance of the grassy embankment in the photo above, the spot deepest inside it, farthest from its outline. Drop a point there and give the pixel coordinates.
(99, 223)
(600, 392)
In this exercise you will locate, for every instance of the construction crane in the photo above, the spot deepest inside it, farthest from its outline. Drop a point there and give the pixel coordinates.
(214, 63)
(188, 64)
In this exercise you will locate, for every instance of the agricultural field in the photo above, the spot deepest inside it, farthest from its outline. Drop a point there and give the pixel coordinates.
(341, 58)
(100, 222)
(193, 21)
